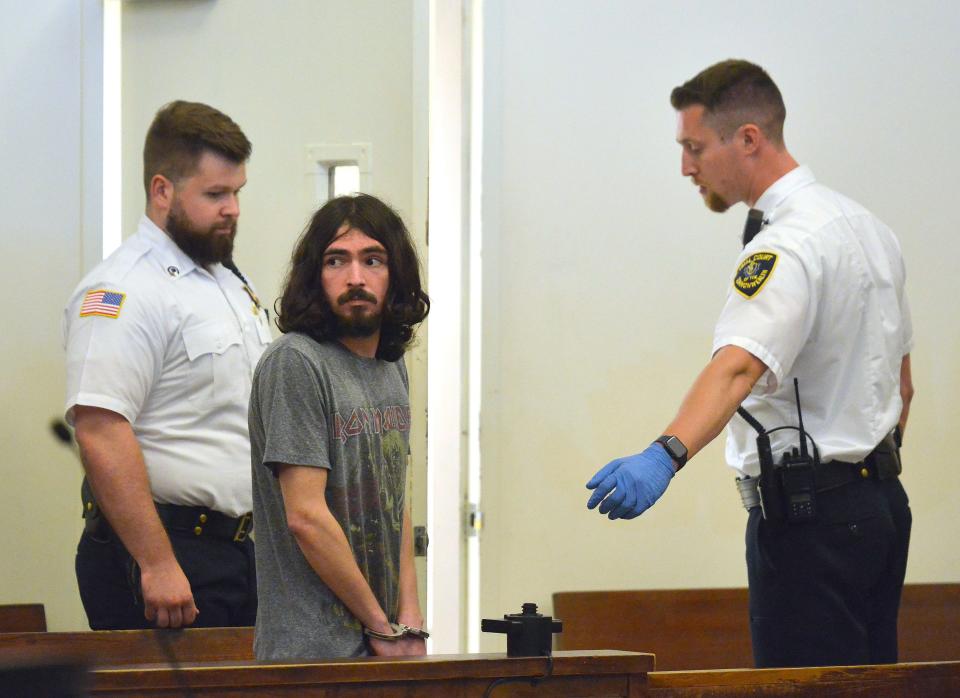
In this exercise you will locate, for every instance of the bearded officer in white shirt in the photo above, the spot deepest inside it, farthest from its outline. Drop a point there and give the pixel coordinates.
(161, 341)
(817, 295)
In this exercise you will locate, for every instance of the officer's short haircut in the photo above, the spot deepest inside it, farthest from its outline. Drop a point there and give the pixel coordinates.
(734, 93)
(179, 135)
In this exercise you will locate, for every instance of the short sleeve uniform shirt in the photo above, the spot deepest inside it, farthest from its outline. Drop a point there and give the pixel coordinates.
(818, 295)
(172, 347)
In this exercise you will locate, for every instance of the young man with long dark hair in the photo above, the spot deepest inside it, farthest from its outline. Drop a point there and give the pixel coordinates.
(330, 424)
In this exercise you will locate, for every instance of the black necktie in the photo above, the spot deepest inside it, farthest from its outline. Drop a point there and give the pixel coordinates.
(752, 226)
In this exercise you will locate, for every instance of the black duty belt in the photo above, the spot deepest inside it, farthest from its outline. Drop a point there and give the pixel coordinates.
(201, 521)
(883, 463)
(197, 521)
(838, 473)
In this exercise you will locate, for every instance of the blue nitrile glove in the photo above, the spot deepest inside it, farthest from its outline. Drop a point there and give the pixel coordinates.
(633, 483)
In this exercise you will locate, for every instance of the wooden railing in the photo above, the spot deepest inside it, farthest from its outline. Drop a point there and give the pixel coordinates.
(921, 680)
(218, 662)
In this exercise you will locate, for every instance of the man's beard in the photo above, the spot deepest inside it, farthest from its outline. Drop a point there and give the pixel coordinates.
(715, 202)
(205, 247)
(358, 323)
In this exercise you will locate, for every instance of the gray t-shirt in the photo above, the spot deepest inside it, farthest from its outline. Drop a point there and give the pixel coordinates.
(320, 405)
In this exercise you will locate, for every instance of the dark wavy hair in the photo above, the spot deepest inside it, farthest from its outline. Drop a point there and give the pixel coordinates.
(304, 307)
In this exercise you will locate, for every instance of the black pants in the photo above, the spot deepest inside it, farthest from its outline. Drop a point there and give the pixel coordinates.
(828, 593)
(221, 573)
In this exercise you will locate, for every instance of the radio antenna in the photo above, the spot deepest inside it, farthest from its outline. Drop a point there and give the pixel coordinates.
(751, 420)
(803, 434)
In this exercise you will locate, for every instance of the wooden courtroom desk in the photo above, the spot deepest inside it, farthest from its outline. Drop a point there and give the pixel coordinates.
(924, 680)
(219, 661)
(583, 674)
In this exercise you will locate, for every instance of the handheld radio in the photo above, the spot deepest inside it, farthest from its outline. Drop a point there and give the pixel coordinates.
(797, 475)
(787, 491)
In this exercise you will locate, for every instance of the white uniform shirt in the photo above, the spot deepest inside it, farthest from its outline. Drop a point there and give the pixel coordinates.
(818, 295)
(173, 352)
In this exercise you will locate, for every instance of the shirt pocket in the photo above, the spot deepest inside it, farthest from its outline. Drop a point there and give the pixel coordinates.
(216, 368)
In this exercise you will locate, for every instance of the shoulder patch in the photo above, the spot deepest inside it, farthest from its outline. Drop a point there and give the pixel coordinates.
(753, 273)
(103, 303)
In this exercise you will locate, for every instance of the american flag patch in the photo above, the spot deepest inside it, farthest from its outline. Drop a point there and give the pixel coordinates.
(103, 303)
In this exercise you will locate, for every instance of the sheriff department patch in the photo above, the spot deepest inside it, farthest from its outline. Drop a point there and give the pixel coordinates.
(753, 273)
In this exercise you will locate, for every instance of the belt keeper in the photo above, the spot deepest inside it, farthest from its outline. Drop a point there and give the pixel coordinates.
(243, 528)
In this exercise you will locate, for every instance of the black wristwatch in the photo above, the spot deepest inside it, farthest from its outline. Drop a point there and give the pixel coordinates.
(675, 449)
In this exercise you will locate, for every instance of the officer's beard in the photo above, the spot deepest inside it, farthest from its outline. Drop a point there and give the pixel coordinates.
(205, 247)
(715, 202)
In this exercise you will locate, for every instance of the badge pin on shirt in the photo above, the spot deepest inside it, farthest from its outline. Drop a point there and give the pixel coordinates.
(256, 307)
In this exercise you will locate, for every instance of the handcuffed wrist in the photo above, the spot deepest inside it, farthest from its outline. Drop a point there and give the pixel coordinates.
(399, 631)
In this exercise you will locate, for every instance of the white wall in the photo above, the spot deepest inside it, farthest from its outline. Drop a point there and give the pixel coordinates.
(48, 86)
(604, 272)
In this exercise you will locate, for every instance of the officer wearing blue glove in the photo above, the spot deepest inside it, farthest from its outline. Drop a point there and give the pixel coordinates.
(817, 294)
(636, 482)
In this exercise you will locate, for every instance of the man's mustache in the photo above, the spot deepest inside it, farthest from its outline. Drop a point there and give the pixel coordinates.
(356, 294)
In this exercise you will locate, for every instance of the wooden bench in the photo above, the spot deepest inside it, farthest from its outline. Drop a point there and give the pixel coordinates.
(23, 618)
(709, 628)
(123, 647)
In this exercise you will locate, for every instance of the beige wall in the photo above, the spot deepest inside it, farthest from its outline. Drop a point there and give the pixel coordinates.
(292, 73)
(43, 132)
(604, 273)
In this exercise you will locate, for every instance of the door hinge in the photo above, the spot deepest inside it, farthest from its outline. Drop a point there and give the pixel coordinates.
(473, 520)
(420, 541)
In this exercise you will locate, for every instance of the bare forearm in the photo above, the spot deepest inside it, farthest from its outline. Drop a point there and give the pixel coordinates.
(326, 548)
(714, 397)
(116, 470)
(409, 611)
(118, 475)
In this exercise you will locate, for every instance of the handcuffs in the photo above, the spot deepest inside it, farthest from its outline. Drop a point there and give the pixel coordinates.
(399, 631)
